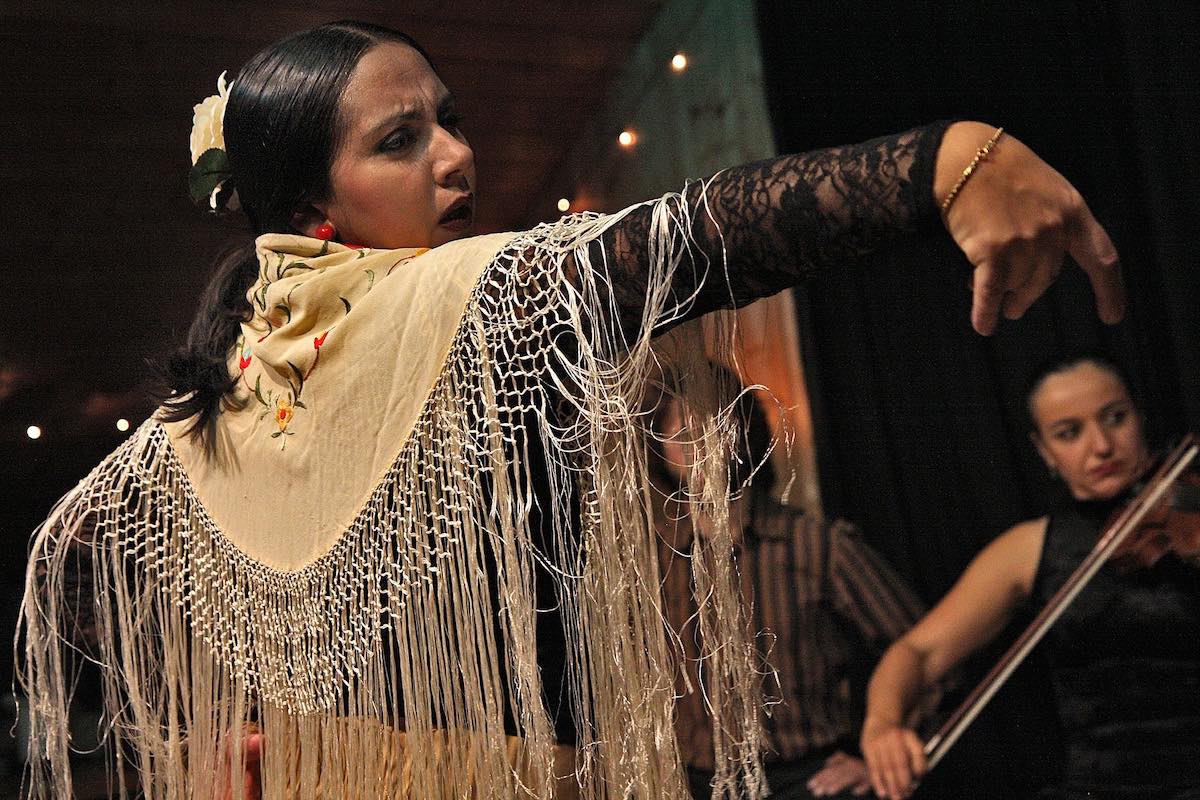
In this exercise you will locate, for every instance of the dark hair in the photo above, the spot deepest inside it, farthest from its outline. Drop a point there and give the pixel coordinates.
(281, 131)
(1063, 362)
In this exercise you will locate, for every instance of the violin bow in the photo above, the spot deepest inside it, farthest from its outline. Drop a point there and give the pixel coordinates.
(1127, 522)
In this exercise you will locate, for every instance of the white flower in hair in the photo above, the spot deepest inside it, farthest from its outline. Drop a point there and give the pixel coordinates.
(208, 121)
(209, 180)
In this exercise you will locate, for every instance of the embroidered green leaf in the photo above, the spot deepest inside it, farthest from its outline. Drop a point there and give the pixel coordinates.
(299, 404)
(276, 434)
(370, 277)
(345, 302)
(299, 265)
(287, 311)
(258, 390)
(324, 248)
(297, 387)
(361, 254)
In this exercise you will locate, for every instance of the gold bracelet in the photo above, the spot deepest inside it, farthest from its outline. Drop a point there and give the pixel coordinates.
(980, 155)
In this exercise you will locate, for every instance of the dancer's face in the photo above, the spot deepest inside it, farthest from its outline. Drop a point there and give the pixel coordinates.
(1088, 431)
(403, 174)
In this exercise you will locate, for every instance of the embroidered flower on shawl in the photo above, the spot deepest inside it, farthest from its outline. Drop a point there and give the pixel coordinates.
(284, 411)
(314, 286)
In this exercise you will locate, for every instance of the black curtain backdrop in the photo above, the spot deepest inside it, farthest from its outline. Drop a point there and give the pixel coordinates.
(920, 430)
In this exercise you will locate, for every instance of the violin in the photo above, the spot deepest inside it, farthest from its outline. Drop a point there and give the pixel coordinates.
(1171, 526)
(1162, 517)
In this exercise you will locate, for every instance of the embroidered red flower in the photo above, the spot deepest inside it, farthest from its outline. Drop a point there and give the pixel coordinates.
(320, 340)
(283, 413)
(244, 361)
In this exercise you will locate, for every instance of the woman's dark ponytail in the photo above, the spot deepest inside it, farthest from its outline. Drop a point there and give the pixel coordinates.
(198, 373)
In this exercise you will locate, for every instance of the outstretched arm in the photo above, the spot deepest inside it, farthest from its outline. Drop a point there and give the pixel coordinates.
(777, 221)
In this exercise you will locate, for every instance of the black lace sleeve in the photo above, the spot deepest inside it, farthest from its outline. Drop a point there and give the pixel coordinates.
(781, 219)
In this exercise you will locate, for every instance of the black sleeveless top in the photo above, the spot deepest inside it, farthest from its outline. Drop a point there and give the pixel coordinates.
(1125, 659)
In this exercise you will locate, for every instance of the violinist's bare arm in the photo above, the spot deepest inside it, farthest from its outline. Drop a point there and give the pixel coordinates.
(971, 614)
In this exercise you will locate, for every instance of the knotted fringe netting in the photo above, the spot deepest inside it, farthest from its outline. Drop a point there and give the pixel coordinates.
(385, 667)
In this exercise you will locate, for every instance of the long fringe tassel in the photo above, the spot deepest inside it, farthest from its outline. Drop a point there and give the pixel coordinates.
(386, 667)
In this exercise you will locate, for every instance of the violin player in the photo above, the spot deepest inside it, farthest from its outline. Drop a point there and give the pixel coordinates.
(1125, 661)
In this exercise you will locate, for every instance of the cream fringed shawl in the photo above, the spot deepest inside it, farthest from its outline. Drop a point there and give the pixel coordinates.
(353, 571)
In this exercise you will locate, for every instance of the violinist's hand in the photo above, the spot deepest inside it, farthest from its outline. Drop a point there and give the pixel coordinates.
(841, 773)
(1016, 219)
(251, 776)
(895, 760)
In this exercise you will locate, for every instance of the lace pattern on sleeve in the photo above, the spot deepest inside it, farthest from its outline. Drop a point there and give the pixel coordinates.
(780, 220)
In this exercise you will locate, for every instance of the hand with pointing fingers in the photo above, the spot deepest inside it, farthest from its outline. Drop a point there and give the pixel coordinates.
(1016, 219)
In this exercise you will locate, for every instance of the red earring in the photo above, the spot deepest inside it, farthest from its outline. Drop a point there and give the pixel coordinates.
(324, 231)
